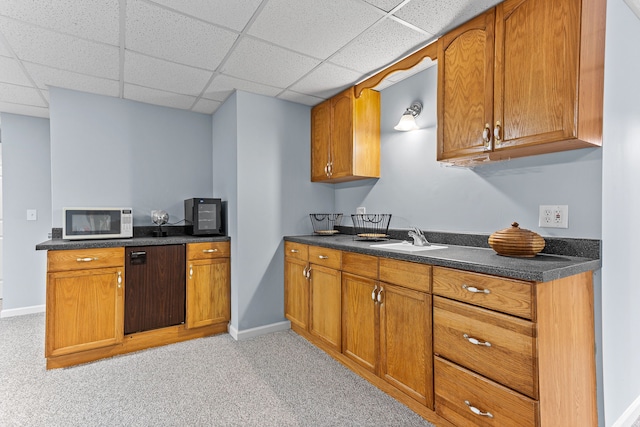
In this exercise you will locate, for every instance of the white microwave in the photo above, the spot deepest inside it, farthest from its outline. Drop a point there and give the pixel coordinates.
(97, 223)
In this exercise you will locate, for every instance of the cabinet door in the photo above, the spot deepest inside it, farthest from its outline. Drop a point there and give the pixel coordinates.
(465, 88)
(341, 161)
(320, 141)
(296, 293)
(325, 305)
(537, 53)
(84, 310)
(405, 341)
(208, 292)
(360, 317)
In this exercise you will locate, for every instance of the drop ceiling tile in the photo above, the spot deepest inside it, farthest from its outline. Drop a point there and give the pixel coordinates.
(265, 63)
(4, 50)
(437, 16)
(222, 86)
(11, 72)
(61, 51)
(315, 28)
(206, 106)
(326, 80)
(165, 34)
(385, 5)
(158, 97)
(46, 76)
(21, 95)
(24, 110)
(230, 14)
(382, 45)
(156, 73)
(96, 20)
(300, 98)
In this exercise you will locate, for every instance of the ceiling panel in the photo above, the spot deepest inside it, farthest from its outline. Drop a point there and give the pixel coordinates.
(268, 64)
(169, 35)
(60, 51)
(385, 5)
(206, 106)
(158, 97)
(25, 110)
(315, 28)
(96, 20)
(326, 80)
(21, 95)
(11, 72)
(222, 86)
(436, 16)
(234, 14)
(380, 46)
(300, 98)
(45, 76)
(156, 73)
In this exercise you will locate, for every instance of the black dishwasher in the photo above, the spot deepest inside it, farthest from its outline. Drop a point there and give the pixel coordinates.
(154, 287)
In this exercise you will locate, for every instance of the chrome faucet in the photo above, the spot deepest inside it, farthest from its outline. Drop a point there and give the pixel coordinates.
(418, 237)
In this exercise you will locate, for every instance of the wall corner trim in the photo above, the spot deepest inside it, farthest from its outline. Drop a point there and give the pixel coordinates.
(260, 330)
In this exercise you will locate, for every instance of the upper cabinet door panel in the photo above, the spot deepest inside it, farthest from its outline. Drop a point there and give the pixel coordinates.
(537, 48)
(465, 87)
(341, 162)
(320, 140)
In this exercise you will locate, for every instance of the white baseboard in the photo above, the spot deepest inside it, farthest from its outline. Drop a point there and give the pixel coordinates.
(630, 415)
(260, 330)
(11, 312)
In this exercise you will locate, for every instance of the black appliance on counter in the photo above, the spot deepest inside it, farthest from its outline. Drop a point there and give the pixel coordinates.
(204, 217)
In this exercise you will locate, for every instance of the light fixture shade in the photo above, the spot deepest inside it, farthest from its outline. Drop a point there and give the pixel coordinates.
(408, 120)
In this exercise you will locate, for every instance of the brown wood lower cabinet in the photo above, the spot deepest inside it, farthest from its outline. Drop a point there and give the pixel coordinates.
(459, 348)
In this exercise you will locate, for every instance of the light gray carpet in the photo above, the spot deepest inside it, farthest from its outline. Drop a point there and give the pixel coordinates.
(275, 380)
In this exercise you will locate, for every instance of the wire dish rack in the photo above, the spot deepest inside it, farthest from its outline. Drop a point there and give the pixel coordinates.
(371, 226)
(324, 224)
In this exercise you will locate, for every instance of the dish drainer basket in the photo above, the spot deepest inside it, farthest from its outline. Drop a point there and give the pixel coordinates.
(371, 226)
(324, 224)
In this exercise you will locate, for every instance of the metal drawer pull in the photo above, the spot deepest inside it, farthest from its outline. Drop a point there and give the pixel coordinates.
(87, 259)
(294, 251)
(475, 290)
(374, 293)
(304, 272)
(478, 411)
(208, 251)
(323, 257)
(379, 298)
(476, 341)
(119, 279)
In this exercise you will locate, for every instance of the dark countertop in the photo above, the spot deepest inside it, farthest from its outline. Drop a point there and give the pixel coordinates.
(541, 268)
(59, 244)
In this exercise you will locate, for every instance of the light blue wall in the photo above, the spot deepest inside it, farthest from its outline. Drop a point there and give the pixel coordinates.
(26, 185)
(620, 214)
(114, 152)
(417, 190)
(273, 197)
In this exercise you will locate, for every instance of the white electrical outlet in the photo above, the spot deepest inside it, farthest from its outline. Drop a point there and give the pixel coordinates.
(554, 216)
(361, 210)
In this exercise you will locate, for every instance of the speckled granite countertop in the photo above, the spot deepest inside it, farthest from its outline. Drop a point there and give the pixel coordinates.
(59, 244)
(541, 268)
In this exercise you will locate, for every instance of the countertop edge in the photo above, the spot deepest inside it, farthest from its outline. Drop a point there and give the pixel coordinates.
(567, 266)
(59, 244)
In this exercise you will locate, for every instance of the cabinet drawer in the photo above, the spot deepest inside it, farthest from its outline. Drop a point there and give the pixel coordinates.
(500, 347)
(361, 265)
(465, 398)
(331, 258)
(408, 274)
(208, 250)
(296, 250)
(81, 259)
(497, 293)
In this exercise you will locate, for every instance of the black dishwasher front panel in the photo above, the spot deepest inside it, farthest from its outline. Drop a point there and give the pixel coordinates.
(155, 287)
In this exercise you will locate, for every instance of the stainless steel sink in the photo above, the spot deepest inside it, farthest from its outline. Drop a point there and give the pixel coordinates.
(406, 246)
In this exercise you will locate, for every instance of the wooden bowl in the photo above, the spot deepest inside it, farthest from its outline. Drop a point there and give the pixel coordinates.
(516, 242)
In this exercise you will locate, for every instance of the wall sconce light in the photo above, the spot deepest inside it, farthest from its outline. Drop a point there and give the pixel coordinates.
(408, 119)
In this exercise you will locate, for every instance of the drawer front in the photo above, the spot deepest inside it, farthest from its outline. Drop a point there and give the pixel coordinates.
(361, 265)
(497, 293)
(208, 250)
(466, 398)
(408, 274)
(81, 259)
(495, 345)
(330, 258)
(296, 250)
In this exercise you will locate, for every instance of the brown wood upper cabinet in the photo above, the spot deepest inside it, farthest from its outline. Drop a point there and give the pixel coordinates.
(345, 137)
(524, 78)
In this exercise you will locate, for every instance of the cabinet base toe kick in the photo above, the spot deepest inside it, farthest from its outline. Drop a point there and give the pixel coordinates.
(137, 342)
